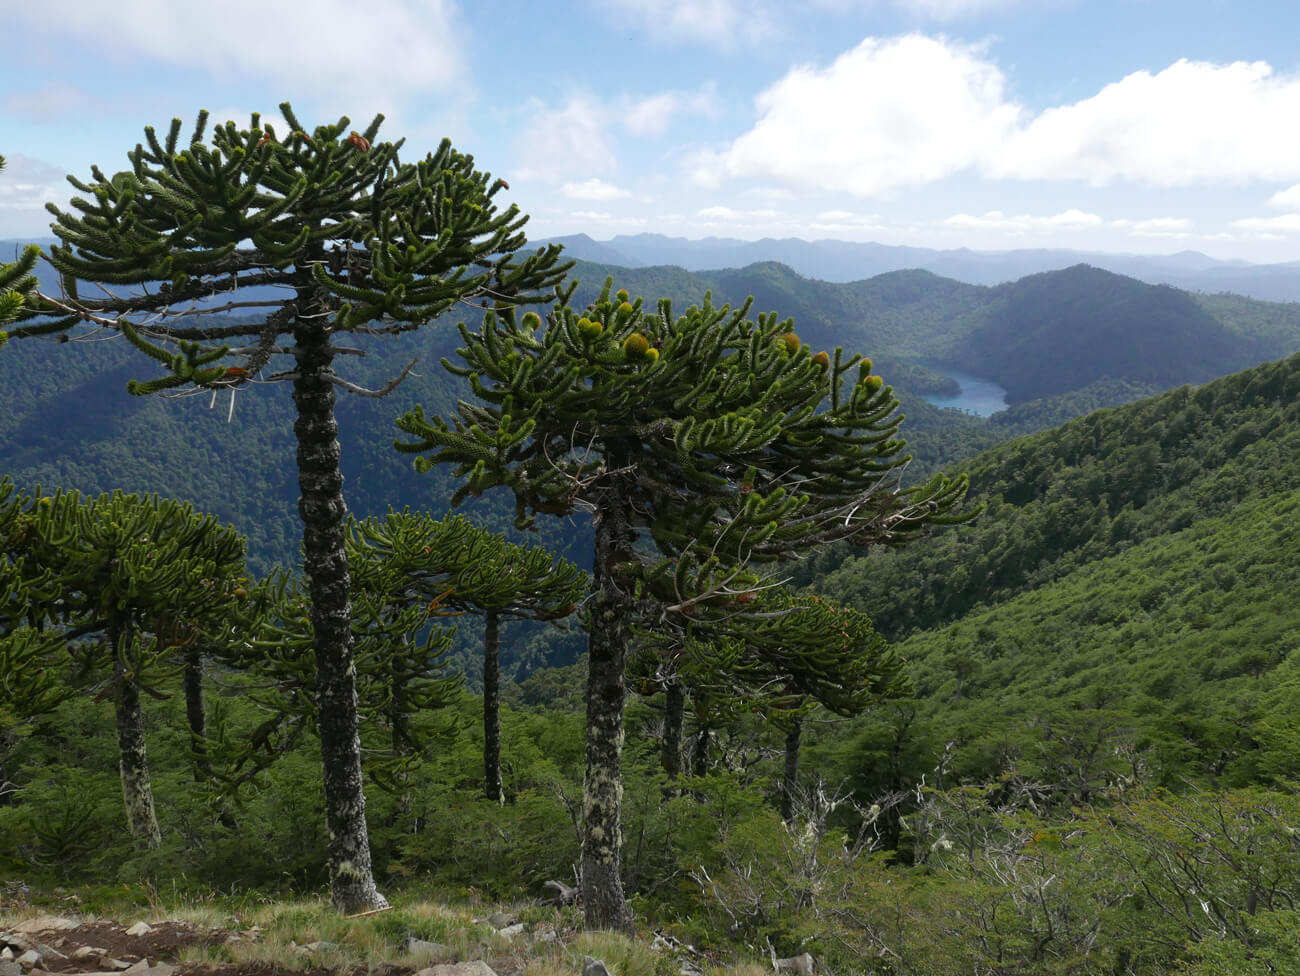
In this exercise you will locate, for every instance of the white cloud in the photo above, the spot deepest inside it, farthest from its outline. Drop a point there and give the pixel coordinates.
(593, 189)
(946, 10)
(577, 141)
(1288, 199)
(1193, 123)
(888, 114)
(26, 186)
(845, 221)
(652, 115)
(730, 214)
(903, 112)
(1175, 227)
(1288, 223)
(414, 44)
(1022, 223)
(724, 24)
(569, 142)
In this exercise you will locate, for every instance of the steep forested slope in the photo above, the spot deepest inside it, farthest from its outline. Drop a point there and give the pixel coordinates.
(1089, 489)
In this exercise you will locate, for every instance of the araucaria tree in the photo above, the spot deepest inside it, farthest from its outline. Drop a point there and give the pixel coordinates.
(332, 239)
(458, 565)
(133, 579)
(722, 440)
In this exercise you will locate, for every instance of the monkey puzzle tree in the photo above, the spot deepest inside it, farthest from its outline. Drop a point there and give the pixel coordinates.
(783, 654)
(696, 443)
(132, 573)
(466, 567)
(332, 239)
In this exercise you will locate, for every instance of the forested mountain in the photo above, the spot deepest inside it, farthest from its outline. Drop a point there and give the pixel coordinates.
(1073, 340)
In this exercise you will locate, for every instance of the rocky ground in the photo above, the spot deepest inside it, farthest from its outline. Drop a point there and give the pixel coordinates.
(53, 944)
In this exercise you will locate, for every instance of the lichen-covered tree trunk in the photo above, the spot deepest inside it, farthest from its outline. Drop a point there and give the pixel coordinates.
(790, 779)
(195, 714)
(133, 762)
(352, 885)
(670, 751)
(604, 906)
(492, 788)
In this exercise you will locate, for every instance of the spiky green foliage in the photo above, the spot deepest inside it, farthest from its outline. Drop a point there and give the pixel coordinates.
(32, 679)
(779, 653)
(390, 244)
(467, 567)
(794, 453)
(455, 564)
(400, 649)
(156, 571)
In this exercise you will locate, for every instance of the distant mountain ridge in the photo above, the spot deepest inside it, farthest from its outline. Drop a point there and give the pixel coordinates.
(844, 261)
(1042, 336)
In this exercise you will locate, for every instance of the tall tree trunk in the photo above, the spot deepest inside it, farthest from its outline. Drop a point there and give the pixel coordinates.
(700, 752)
(401, 732)
(604, 906)
(133, 762)
(352, 884)
(670, 752)
(196, 715)
(492, 788)
(790, 781)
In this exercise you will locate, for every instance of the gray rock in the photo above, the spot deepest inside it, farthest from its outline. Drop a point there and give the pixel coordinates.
(423, 947)
(476, 968)
(318, 947)
(510, 931)
(801, 964)
(499, 920)
(10, 967)
(140, 928)
(44, 923)
(114, 965)
(561, 893)
(594, 967)
(88, 952)
(29, 959)
(6, 953)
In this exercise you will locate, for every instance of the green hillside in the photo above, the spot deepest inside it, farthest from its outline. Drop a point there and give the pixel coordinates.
(1125, 606)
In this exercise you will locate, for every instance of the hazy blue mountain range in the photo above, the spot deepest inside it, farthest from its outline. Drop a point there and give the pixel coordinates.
(832, 260)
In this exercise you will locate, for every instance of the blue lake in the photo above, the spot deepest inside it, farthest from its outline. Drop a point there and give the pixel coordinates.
(978, 396)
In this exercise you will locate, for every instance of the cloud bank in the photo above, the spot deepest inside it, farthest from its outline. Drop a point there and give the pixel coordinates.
(899, 113)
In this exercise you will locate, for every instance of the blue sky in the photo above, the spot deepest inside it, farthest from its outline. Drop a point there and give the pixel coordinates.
(1147, 126)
